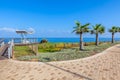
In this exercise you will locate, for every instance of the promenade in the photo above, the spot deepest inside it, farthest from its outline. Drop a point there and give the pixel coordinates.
(103, 66)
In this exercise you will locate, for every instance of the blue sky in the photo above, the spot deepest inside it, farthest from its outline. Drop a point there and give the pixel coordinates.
(56, 18)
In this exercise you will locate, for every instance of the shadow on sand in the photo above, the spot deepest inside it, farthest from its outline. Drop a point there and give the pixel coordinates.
(73, 73)
(118, 46)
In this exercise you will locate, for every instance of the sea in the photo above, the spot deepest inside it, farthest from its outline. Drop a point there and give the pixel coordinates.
(66, 40)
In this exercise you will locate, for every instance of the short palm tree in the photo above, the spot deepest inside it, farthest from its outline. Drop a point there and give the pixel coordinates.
(80, 29)
(97, 29)
(113, 30)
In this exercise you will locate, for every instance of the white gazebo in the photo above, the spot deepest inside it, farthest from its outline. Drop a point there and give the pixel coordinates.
(23, 34)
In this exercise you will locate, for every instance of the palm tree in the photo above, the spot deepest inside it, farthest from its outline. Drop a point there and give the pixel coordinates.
(98, 28)
(113, 30)
(118, 29)
(80, 29)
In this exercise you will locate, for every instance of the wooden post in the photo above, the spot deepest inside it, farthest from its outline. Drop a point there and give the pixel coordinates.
(8, 53)
(64, 45)
(55, 45)
(36, 49)
(13, 53)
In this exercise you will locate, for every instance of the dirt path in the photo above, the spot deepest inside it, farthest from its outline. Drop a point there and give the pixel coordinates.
(104, 66)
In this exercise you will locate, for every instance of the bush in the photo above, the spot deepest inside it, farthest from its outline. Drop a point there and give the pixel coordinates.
(44, 41)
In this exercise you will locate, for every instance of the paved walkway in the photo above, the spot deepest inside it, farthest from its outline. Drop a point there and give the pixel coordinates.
(104, 66)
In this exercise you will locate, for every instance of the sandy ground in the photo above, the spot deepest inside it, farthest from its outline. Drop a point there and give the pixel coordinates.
(103, 66)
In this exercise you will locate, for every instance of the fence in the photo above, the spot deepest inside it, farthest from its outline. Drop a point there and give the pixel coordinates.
(32, 43)
(10, 48)
(2, 42)
(25, 41)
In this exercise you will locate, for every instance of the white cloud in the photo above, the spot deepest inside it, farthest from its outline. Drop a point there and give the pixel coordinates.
(31, 30)
(7, 29)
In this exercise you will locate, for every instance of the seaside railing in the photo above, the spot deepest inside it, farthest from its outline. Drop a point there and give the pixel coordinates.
(32, 43)
(2, 42)
(10, 48)
(25, 40)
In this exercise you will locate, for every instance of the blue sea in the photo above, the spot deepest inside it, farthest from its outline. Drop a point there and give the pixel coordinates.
(72, 40)
(67, 40)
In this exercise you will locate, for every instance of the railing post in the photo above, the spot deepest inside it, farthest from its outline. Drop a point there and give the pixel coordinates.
(12, 51)
(10, 48)
(8, 53)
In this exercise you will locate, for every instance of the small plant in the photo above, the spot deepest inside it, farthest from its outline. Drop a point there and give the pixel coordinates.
(44, 41)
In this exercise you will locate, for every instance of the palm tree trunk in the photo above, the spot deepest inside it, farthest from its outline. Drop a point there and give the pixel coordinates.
(97, 41)
(81, 42)
(112, 37)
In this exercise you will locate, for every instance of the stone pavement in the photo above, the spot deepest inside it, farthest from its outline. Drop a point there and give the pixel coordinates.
(103, 66)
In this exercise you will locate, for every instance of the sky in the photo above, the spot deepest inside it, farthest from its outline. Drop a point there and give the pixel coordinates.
(56, 18)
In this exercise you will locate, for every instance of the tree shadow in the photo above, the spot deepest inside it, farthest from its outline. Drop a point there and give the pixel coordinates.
(73, 73)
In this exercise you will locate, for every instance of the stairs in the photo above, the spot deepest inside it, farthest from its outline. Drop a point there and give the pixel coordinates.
(4, 51)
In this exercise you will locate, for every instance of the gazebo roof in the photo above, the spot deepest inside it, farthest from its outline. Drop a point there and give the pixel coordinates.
(21, 32)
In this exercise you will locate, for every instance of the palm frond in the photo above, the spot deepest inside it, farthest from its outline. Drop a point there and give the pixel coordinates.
(78, 29)
(73, 31)
(114, 29)
(92, 32)
(86, 25)
(102, 30)
(98, 28)
(77, 23)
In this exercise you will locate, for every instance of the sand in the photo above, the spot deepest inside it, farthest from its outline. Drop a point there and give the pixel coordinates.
(103, 66)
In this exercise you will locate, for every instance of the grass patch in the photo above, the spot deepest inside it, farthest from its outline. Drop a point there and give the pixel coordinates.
(68, 54)
(54, 47)
(22, 51)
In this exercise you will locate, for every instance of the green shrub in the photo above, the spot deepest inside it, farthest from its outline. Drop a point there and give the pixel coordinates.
(67, 54)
